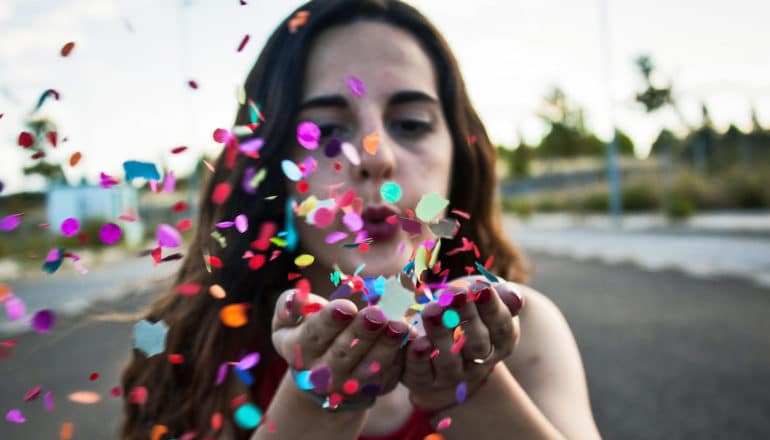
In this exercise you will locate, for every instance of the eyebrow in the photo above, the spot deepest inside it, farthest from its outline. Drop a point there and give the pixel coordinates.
(339, 101)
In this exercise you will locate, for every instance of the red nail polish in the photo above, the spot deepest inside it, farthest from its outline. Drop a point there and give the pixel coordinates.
(289, 302)
(341, 315)
(433, 315)
(373, 323)
(513, 301)
(459, 300)
(484, 296)
(393, 333)
(421, 347)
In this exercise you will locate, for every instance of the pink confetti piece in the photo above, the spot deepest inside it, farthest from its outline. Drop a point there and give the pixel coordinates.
(10, 222)
(445, 299)
(323, 217)
(308, 134)
(356, 86)
(243, 42)
(249, 361)
(168, 236)
(308, 166)
(353, 221)
(208, 165)
(221, 374)
(48, 401)
(242, 223)
(222, 135)
(43, 321)
(335, 236)
(374, 367)
(252, 146)
(53, 255)
(224, 225)
(15, 308)
(110, 233)
(154, 186)
(169, 182)
(351, 153)
(33, 393)
(444, 423)
(15, 416)
(70, 227)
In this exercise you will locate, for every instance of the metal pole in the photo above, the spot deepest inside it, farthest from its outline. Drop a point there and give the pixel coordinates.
(611, 148)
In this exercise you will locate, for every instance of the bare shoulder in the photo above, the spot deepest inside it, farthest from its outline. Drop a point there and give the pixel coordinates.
(548, 366)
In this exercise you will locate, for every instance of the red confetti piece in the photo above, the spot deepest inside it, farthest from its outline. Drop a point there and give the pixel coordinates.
(138, 395)
(216, 421)
(293, 276)
(350, 386)
(178, 150)
(51, 136)
(157, 255)
(221, 193)
(188, 289)
(93, 376)
(256, 261)
(462, 214)
(374, 367)
(472, 139)
(184, 224)
(26, 139)
(75, 158)
(179, 207)
(364, 247)
(337, 165)
(176, 358)
(243, 43)
(38, 155)
(33, 393)
(116, 391)
(238, 401)
(193, 85)
(67, 49)
(303, 289)
(215, 261)
(303, 187)
(310, 308)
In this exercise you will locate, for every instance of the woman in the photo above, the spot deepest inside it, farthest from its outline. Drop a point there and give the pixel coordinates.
(384, 92)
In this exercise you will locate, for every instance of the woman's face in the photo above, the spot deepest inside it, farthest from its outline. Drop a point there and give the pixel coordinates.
(402, 105)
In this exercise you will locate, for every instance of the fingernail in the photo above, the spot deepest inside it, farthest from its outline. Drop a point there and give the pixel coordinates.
(433, 314)
(459, 300)
(372, 320)
(484, 295)
(513, 301)
(341, 315)
(289, 301)
(394, 333)
(421, 347)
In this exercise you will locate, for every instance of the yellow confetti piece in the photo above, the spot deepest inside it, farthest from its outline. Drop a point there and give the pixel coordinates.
(419, 260)
(66, 431)
(234, 315)
(434, 255)
(371, 142)
(217, 291)
(307, 206)
(158, 431)
(304, 260)
(240, 94)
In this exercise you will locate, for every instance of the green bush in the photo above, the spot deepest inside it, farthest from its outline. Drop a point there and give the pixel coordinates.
(640, 198)
(523, 208)
(680, 207)
(747, 190)
(597, 201)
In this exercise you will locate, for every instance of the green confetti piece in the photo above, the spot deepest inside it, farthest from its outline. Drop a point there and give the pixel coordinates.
(434, 255)
(335, 277)
(258, 178)
(450, 318)
(430, 206)
(280, 242)
(390, 192)
(419, 260)
(219, 238)
(248, 416)
(395, 300)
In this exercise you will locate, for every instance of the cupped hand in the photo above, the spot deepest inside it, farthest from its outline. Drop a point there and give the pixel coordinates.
(352, 355)
(444, 360)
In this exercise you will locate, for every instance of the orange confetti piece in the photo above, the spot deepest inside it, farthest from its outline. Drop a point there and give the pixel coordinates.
(299, 19)
(75, 158)
(158, 431)
(217, 291)
(234, 315)
(371, 142)
(66, 431)
(67, 48)
(434, 436)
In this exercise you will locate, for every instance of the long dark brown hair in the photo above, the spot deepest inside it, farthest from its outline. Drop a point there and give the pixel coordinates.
(184, 396)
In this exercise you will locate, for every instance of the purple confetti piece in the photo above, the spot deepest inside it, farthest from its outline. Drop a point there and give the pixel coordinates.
(321, 378)
(410, 226)
(252, 145)
(43, 320)
(70, 227)
(335, 236)
(109, 233)
(15, 416)
(248, 174)
(343, 291)
(225, 225)
(241, 223)
(53, 255)
(48, 400)
(353, 221)
(169, 182)
(308, 134)
(461, 392)
(221, 373)
(356, 86)
(308, 166)
(168, 236)
(15, 308)
(333, 148)
(361, 236)
(10, 222)
(249, 361)
(445, 299)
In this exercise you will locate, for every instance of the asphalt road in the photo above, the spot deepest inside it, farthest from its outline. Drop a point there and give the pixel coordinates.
(667, 356)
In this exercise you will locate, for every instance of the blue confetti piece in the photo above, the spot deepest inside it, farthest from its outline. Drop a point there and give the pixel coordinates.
(145, 170)
(487, 274)
(244, 376)
(461, 393)
(150, 338)
(343, 291)
(53, 266)
(303, 380)
(292, 238)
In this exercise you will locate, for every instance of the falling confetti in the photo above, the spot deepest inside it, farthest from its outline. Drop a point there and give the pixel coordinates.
(390, 192)
(84, 397)
(248, 416)
(150, 337)
(110, 233)
(75, 158)
(26, 139)
(15, 416)
(355, 85)
(43, 321)
(167, 236)
(308, 134)
(234, 315)
(430, 206)
(10, 222)
(67, 49)
(396, 300)
(243, 42)
(70, 227)
(145, 170)
(450, 318)
(371, 142)
(291, 170)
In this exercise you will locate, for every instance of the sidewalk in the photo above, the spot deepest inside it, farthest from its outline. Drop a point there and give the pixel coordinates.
(707, 246)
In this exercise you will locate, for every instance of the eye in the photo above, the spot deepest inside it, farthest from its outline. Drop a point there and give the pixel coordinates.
(411, 127)
(332, 130)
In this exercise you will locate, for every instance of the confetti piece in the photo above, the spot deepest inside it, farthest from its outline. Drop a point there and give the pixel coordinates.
(445, 228)
(221, 193)
(15, 308)
(110, 233)
(303, 380)
(249, 361)
(169, 182)
(336, 236)
(395, 300)
(48, 401)
(84, 397)
(157, 432)
(70, 227)
(176, 359)
(355, 85)
(444, 423)
(321, 378)
(434, 436)
(371, 142)
(33, 393)
(243, 42)
(26, 139)
(450, 318)
(217, 291)
(241, 223)
(374, 367)
(45, 96)
(10, 222)
(333, 148)
(308, 134)
(323, 217)
(248, 416)
(93, 376)
(167, 236)
(221, 374)
(234, 315)
(487, 274)
(430, 205)
(150, 337)
(116, 391)
(65, 433)
(43, 321)
(351, 153)
(178, 150)
(208, 165)
(461, 393)
(291, 170)
(138, 395)
(299, 19)
(350, 386)
(145, 170)
(15, 416)
(353, 221)
(390, 192)
(67, 49)
(192, 84)
(75, 158)
(52, 137)
(304, 260)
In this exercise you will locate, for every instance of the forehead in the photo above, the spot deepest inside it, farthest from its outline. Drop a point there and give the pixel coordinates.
(384, 57)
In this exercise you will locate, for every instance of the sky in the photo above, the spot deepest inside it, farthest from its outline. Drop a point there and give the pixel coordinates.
(124, 92)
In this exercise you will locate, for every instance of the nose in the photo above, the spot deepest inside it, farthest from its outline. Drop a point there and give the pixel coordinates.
(378, 160)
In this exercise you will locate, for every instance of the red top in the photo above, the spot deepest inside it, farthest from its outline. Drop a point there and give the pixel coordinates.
(416, 427)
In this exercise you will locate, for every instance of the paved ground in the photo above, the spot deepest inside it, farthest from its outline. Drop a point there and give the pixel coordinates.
(667, 356)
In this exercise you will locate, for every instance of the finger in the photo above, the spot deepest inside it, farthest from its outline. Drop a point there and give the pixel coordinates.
(512, 296)
(497, 318)
(477, 344)
(418, 371)
(381, 367)
(320, 329)
(353, 343)
(291, 308)
(448, 366)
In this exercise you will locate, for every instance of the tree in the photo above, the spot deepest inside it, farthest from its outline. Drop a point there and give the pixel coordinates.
(44, 129)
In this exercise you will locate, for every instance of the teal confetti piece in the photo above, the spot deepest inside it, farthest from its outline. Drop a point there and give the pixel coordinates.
(390, 192)
(359, 268)
(248, 416)
(487, 274)
(450, 318)
(292, 238)
(145, 170)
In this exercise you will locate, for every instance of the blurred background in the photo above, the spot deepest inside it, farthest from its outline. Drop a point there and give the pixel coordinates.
(634, 163)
